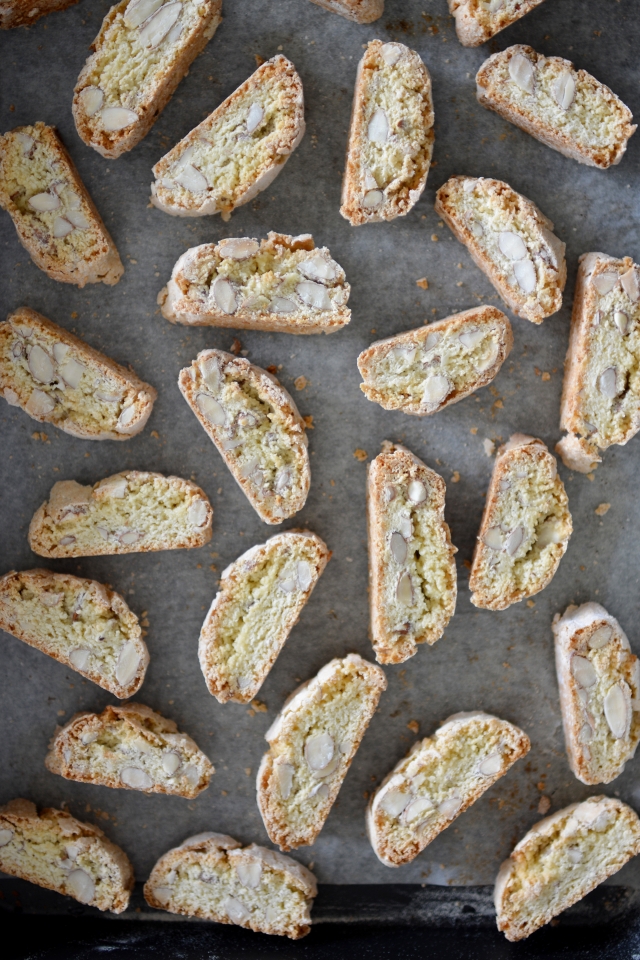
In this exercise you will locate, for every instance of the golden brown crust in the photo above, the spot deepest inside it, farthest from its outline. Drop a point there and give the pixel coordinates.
(22, 13)
(475, 25)
(360, 11)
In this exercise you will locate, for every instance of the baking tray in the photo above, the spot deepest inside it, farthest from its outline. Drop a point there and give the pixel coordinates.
(499, 662)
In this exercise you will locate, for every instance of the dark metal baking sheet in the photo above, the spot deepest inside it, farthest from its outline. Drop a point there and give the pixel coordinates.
(500, 662)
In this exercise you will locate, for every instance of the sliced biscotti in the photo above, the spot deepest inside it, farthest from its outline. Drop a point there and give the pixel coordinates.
(57, 378)
(391, 135)
(130, 512)
(256, 428)
(54, 850)
(261, 596)
(312, 742)
(81, 623)
(479, 20)
(212, 876)
(142, 52)
(601, 390)
(560, 860)
(56, 219)
(599, 683)
(439, 778)
(282, 284)
(412, 572)
(132, 748)
(510, 240)
(525, 526)
(21, 13)
(565, 108)
(238, 150)
(424, 370)
(361, 11)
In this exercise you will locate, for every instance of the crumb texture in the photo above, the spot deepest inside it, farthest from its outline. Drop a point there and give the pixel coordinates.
(22, 13)
(360, 11)
(479, 20)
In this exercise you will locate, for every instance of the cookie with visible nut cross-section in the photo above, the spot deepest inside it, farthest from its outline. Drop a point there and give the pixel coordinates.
(360, 11)
(479, 20)
(599, 683)
(55, 851)
(439, 779)
(565, 108)
(81, 623)
(256, 427)
(601, 390)
(214, 877)
(260, 600)
(282, 284)
(412, 572)
(130, 512)
(510, 240)
(560, 860)
(424, 370)
(312, 742)
(391, 135)
(525, 526)
(22, 13)
(57, 378)
(56, 220)
(130, 748)
(238, 150)
(115, 105)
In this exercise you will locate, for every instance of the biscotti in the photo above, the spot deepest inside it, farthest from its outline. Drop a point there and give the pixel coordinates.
(599, 683)
(57, 378)
(510, 240)
(560, 860)
(56, 220)
(424, 370)
(131, 748)
(564, 108)
(391, 135)
(214, 877)
(525, 526)
(438, 780)
(81, 623)
(261, 596)
(130, 512)
(22, 13)
(238, 150)
(54, 850)
(412, 572)
(312, 742)
(479, 20)
(361, 11)
(282, 284)
(142, 52)
(256, 428)
(601, 393)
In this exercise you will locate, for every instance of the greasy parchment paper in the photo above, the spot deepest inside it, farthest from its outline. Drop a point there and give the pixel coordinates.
(499, 662)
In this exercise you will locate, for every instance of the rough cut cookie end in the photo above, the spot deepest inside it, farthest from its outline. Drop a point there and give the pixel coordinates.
(578, 454)
(22, 13)
(360, 11)
(476, 23)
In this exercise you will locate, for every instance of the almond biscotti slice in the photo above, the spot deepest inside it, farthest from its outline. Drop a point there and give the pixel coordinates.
(142, 52)
(57, 378)
(510, 240)
(81, 623)
(361, 11)
(131, 748)
(214, 877)
(560, 860)
(130, 512)
(261, 596)
(599, 683)
(564, 108)
(479, 20)
(54, 850)
(391, 135)
(439, 779)
(525, 526)
(312, 742)
(424, 370)
(412, 573)
(21, 13)
(601, 390)
(56, 219)
(238, 150)
(282, 284)
(256, 428)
